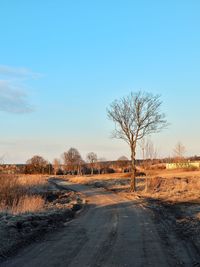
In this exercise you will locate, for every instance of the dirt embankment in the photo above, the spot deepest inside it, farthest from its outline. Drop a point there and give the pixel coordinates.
(179, 218)
(17, 230)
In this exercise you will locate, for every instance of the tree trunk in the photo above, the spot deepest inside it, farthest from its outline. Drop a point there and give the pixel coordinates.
(146, 184)
(79, 170)
(92, 171)
(133, 175)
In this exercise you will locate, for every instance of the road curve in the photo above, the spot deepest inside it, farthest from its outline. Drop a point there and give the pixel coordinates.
(113, 231)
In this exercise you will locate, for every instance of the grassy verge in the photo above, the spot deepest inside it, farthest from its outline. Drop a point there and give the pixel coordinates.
(21, 194)
(31, 207)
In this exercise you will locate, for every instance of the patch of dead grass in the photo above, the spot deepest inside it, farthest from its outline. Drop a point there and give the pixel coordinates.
(177, 189)
(100, 177)
(16, 193)
(29, 181)
(27, 203)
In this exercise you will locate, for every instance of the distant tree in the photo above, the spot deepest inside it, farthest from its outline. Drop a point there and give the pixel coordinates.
(2, 159)
(179, 152)
(36, 164)
(143, 147)
(72, 160)
(150, 153)
(123, 163)
(123, 158)
(135, 117)
(56, 166)
(92, 159)
(100, 164)
(107, 167)
(1, 163)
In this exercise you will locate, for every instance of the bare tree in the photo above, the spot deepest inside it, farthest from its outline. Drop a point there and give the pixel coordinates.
(2, 159)
(100, 164)
(56, 165)
(72, 160)
(92, 159)
(135, 117)
(143, 146)
(179, 152)
(1, 162)
(36, 164)
(149, 155)
(150, 151)
(123, 163)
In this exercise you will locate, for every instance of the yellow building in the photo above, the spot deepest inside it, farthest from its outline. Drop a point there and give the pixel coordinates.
(182, 165)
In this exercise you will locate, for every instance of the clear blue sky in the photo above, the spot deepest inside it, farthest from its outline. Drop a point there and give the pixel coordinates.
(62, 62)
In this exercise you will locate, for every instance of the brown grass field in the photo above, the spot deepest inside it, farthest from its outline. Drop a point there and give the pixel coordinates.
(21, 194)
(170, 185)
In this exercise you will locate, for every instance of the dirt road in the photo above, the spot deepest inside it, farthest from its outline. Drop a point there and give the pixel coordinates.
(112, 231)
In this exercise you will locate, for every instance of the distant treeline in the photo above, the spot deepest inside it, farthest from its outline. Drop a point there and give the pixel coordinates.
(72, 163)
(82, 169)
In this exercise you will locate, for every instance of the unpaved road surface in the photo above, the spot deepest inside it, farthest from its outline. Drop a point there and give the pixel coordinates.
(111, 231)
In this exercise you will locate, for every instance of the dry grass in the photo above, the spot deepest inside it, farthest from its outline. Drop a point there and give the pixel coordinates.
(173, 185)
(100, 177)
(16, 193)
(30, 181)
(174, 173)
(181, 188)
(10, 190)
(28, 203)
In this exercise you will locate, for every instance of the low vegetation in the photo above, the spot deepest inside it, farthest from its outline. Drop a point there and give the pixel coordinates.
(29, 207)
(172, 185)
(20, 194)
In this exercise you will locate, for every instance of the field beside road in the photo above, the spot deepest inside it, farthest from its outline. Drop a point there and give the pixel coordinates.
(172, 196)
(31, 206)
(168, 185)
(113, 231)
(159, 225)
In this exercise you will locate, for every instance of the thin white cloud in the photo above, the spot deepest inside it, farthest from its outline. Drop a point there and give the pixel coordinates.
(13, 99)
(18, 72)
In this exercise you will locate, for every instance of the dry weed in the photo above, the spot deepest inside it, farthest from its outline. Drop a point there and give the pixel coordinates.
(99, 177)
(16, 193)
(10, 189)
(29, 181)
(27, 204)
